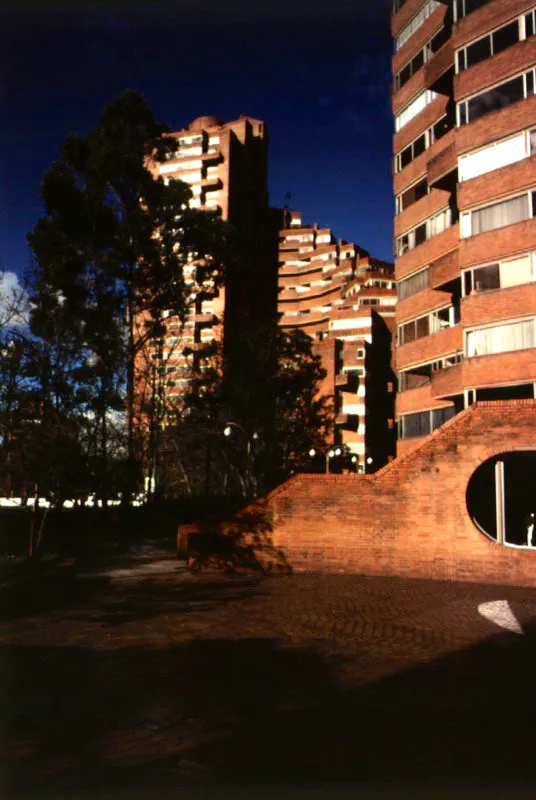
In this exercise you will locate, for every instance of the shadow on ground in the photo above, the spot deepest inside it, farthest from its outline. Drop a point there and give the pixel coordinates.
(253, 711)
(88, 600)
(243, 544)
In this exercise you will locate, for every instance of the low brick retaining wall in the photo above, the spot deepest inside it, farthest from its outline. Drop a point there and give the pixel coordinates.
(410, 518)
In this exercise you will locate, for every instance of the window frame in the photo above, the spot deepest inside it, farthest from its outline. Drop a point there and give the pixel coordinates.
(399, 208)
(462, 107)
(412, 26)
(468, 213)
(500, 324)
(469, 273)
(433, 323)
(427, 95)
(405, 281)
(520, 19)
(429, 225)
(430, 139)
(433, 424)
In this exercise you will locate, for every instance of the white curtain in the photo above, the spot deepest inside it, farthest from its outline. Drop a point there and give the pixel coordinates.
(502, 339)
(515, 272)
(500, 214)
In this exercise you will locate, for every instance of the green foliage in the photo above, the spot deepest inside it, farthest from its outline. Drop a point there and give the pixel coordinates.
(270, 391)
(110, 253)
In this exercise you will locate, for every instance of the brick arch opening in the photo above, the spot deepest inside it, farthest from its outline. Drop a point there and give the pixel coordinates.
(501, 498)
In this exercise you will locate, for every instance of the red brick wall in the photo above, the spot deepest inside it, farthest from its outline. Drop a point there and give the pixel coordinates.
(495, 70)
(434, 111)
(490, 16)
(414, 86)
(500, 304)
(410, 518)
(419, 38)
(426, 207)
(418, 399)
(428, 251)
(495, 125)
(428, 348)
(418, 167)
(499, 183)
(512, 239)
(421, 303)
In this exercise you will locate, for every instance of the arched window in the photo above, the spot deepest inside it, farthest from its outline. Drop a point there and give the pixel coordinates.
(501, 498)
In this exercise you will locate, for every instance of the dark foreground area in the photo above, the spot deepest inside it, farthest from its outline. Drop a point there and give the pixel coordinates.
(124, 676)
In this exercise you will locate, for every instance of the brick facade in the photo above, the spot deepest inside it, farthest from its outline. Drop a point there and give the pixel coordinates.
(410, 518)
(508, 368)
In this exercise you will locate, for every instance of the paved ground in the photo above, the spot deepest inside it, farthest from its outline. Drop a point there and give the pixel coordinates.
(130, 676)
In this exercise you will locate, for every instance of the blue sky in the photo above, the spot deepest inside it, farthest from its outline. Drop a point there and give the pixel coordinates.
(318, 75)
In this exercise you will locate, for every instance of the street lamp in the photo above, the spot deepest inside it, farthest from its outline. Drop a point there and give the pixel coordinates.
(228, 430)
(334, 452)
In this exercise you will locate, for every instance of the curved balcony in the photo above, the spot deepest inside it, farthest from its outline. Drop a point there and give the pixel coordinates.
(426, 207)
(499, 243)
(430, 348)
(427, 252)
(501, 182)
(495, 70)
(491, 15)
(424, 120)
(498, 305)
(419, 38)
(418, 399)
(500, 369)
(423, 302)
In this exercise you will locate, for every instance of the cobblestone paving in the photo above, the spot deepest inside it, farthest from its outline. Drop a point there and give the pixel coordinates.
(129, 671)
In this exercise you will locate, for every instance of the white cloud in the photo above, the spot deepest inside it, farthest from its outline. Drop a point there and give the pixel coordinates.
(14, 307)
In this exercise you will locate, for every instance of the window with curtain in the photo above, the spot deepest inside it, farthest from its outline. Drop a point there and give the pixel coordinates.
(413, 284)
(516, 271)
(501, 338)
(500, 214)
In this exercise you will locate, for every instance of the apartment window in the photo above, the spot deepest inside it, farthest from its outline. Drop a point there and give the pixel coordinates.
(420, 374)
(496, 98)
(413, 284)
(464, 7)
(431, 227)
(529, 23)
(498, 215)
(411, 152)
(421, 57)
(510, 272)
(415, 107)
(496, 155)
(489, 45)
(423, 422)
(189, 140)
(414, 24)
(409, 70)
(421, 143)
(500, 338)
(411, 195)
(445, 317)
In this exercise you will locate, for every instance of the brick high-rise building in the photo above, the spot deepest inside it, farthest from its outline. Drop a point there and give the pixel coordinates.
(225, 165)
(465, 186)
(345, 301)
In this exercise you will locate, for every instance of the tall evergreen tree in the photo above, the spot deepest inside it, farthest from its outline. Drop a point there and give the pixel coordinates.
(110, 252)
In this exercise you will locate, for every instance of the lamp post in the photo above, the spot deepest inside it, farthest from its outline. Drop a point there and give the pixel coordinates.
(328, 455)
(227, 431)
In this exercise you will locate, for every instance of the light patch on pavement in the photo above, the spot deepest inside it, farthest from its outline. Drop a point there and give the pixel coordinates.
(141, 570)
(499, 612)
